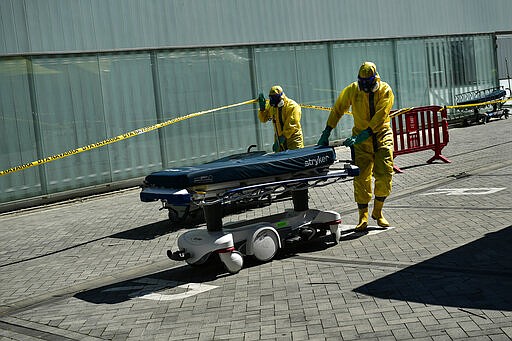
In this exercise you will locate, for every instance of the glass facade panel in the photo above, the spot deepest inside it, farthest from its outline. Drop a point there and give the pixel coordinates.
(70, 112)
(186, 88)
(129, 104)
(486, 69)
(230, 83)
(275, 65)
(314, 79)
(412, 82)
(348, 57)
(440, 70)
(17, 136)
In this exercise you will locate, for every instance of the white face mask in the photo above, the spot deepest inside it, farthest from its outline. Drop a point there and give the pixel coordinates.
(280, 104)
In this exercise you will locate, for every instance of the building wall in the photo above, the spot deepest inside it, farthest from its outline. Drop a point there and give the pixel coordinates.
(41, 26)
(73, 73)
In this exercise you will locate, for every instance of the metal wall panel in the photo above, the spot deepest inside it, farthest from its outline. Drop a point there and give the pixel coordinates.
(39, 26)
(14, 34)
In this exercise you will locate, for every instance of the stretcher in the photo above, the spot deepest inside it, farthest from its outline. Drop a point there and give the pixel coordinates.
(252, 177)
(485, 112)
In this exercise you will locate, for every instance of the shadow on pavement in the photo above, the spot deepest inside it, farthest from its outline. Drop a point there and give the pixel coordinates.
(418, 165)
(192, 220)
(169, 284)
(477, 275)
(146, 232)
(317, 244)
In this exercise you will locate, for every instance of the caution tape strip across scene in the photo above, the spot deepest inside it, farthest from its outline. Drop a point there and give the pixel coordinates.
(478, 104)
(118, 138)
(309, 106)
(136, 132)
(396, 113)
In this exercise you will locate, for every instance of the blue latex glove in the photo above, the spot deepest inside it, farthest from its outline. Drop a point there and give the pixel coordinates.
(324, 139)
(261, 101)
(362, 136)
(278, 143)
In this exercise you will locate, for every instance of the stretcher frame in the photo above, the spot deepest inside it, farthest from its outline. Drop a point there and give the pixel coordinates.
(487, 103)
(261, 237)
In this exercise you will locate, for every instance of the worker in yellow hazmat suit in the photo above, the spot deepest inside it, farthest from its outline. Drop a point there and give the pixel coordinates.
(372, 139)
(285, 113)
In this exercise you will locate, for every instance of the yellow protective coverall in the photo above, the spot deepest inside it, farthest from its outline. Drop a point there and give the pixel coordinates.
(286, 121)
(375, 155)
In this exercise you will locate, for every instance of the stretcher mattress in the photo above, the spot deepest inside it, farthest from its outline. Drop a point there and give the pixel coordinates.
(242, 167)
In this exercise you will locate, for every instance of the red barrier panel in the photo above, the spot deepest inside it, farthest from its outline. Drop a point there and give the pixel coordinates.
(421, 128)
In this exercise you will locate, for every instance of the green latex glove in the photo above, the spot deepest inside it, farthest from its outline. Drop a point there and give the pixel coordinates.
(262, 101)
(324, 139)
(361, 137)
(282, 140)
(278, 143)
(275, 146)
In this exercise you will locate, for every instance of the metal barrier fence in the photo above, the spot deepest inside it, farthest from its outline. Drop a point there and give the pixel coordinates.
(419, 129)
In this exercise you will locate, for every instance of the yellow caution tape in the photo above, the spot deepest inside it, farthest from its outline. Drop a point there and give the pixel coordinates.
(318, 107)
(396, 113)
(315, 107)
(136, 132)
(118, 138)
(400, 112)
(478, 104)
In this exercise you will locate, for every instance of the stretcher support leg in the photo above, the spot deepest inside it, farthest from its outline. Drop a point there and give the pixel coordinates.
(213, 217)
(300, 200)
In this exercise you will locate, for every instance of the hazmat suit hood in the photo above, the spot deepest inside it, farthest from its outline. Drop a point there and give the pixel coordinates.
(368, 79)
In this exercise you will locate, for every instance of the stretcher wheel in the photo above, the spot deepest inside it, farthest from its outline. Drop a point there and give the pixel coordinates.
(265, 245)
(233, 261)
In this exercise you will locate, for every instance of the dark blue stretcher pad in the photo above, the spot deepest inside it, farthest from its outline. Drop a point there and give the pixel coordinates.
(235, 171)
(243, 167)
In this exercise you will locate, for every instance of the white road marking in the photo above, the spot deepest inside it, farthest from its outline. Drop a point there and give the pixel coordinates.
(466, 191)
(193, 289)
(149, 287)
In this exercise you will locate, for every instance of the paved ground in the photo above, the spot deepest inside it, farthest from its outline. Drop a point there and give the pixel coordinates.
(96, 269)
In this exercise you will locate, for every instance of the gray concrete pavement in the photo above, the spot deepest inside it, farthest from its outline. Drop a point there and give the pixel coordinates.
(96, 269)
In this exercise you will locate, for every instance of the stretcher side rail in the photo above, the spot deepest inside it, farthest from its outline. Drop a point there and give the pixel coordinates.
(185, 196)
(480, 106)
(480, 96)
(260, 191)
(186, 192)
(298, 188)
